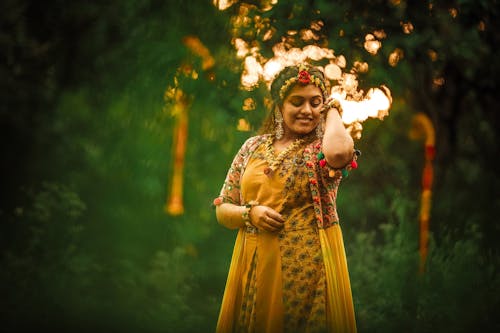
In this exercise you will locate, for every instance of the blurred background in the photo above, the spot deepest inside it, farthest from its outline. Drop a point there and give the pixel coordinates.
(119, 120)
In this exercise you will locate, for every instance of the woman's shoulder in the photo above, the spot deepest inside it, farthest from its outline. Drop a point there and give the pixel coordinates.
(254, 141)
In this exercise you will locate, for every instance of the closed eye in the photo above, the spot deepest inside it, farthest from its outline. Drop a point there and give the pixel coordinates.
(316, 101)
(298, 101)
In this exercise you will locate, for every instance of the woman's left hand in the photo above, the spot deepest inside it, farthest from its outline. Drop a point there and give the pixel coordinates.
(266, 218)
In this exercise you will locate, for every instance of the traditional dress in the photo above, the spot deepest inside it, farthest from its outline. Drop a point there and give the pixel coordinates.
(294, 280)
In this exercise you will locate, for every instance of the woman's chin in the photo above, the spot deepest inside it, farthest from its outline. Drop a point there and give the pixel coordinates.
(303, 132)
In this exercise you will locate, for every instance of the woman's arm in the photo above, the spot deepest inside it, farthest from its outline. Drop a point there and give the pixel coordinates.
(261, 217)
(230, 215)
(338, 145)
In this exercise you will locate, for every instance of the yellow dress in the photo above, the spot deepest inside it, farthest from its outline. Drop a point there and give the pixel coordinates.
(286, 281)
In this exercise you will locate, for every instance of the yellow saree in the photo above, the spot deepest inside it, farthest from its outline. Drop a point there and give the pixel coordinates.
(295, 280)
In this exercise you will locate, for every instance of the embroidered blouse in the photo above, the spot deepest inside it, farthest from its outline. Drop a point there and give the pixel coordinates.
(323, 180)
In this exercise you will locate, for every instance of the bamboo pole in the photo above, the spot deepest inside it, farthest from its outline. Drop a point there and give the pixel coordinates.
(175, 205)
(422, 128)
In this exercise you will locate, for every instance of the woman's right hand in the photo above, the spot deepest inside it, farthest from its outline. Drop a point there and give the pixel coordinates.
(266, 218)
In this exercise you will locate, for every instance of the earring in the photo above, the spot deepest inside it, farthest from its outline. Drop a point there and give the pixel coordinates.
(278, 119)
(320, 127)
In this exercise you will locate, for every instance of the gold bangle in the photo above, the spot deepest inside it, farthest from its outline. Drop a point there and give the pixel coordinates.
(246, 213)
(332, 104)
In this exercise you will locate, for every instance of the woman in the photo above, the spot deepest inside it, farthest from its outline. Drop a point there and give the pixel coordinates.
(288, 272)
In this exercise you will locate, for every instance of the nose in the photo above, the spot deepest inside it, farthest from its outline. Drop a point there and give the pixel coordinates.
(306, 109)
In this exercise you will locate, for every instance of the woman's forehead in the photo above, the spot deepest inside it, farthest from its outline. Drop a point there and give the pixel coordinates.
(307, 90)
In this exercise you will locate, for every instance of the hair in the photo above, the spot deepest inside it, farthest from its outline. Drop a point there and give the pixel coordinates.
(278, 82)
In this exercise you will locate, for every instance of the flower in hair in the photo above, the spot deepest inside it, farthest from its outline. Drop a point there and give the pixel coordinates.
(304, 77)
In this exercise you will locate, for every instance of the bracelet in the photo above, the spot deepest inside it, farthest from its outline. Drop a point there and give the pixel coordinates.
(345, 170)
(332, 104)
(246, 213)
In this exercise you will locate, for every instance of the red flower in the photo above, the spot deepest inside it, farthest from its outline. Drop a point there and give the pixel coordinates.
(304, 77)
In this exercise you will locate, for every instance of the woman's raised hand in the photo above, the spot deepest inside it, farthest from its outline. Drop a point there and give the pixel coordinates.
(266, 218)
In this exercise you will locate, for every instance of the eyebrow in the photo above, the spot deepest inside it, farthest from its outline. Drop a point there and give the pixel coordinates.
(302, 96)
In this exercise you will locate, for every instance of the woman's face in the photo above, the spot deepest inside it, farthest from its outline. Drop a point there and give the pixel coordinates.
(301, 110)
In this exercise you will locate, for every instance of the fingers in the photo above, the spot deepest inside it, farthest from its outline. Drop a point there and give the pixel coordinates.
(275, 216)
(266, 218)
(272, 221)
(273, 224)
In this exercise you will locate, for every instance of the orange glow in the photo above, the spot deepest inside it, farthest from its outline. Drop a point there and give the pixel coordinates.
(248, 104)
(438, 81)
(371, 44)
(422, 128)
(254, 71)
(269, 34)
(361, 67)
(333, 72)
(407, 27)
(241, 47)
(375, 104)
(308, 35)
(268, 5)
(251, 73)
(453, 12)
(395, 57)
(174, 205)
(243, 125)
(340, 61)
(317, 25)
(317, 53)
(354, 130)
(380, 34)
(358, 105)
(349, 83)
(432, 54)
(224, 4)
(195, 45)
(271, 68)
(242, 20)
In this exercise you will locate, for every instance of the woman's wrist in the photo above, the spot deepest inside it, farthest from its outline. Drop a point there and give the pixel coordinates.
(246, 213)
(332, 105)
(333, 113)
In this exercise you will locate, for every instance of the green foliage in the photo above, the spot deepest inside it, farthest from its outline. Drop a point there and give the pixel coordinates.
(457, 292)
(48, 272)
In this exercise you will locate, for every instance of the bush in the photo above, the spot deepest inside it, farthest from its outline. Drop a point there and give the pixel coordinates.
(457, 292)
